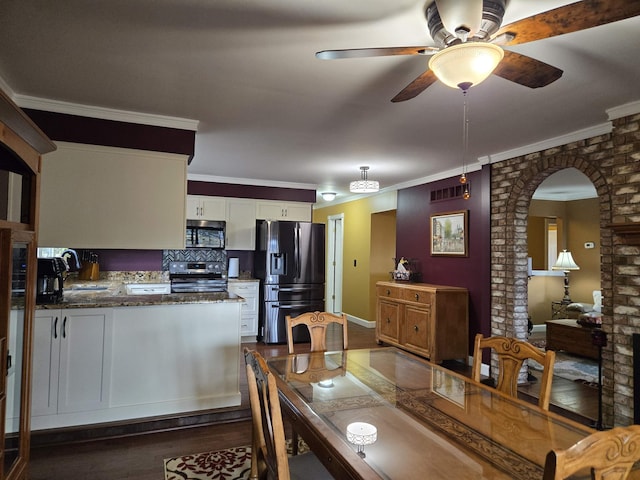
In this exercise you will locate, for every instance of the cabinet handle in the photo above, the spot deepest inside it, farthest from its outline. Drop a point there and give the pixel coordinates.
(415, 328)
(388, 320)
(64, 328)
(55, 328)
(388, 292)
(417, 297)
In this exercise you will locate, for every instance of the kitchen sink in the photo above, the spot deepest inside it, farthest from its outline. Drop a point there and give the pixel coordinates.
(148, 288)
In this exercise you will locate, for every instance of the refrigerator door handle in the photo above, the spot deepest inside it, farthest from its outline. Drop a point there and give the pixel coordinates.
(289, 306)
(297, 249)
(301, 289)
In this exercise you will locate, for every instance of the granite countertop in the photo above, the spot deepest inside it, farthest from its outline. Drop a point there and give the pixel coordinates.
(114, 294)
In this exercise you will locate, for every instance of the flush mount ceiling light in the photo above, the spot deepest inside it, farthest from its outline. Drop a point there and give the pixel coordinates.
(328, 196)
(364, 185)
(467, 64)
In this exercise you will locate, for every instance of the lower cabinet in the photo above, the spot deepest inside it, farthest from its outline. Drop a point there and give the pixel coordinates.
(71, 360)
(249, 290)
(428, 320)
(96, 365)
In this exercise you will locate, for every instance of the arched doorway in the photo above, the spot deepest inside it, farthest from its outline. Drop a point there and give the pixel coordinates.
(513, 184)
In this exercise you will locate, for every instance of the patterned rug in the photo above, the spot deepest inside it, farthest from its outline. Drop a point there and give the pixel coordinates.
(227, 464)
(574, 368)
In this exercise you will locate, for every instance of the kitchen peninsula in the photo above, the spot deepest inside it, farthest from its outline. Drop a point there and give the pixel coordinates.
(103, 355)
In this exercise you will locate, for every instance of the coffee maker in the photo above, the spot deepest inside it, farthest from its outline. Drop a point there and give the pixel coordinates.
(50, 280)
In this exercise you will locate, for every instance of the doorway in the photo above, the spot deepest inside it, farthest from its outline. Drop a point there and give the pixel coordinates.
(335, 247)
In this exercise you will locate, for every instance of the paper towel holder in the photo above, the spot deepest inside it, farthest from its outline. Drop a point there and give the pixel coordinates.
(233, 268)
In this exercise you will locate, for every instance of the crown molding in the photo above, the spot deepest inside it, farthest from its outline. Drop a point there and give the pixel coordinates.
(589, 132)
(249, 181)
(625, 110)
(37, 103)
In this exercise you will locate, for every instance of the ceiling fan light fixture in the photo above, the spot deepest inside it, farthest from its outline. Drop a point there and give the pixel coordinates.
(466, 64)
(364, 185)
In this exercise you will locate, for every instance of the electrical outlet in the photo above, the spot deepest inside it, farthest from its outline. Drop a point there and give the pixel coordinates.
(589, 245)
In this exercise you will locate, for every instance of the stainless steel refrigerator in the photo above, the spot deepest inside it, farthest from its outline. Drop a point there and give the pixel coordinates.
(290, 262)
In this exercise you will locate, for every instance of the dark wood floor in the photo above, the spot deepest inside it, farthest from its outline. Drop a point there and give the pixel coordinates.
(141, 457)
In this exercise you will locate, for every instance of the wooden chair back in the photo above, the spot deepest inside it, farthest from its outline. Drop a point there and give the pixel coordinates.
(511, 355)
(268, 447)
(609, 454)
(313, 368)
(317, 323)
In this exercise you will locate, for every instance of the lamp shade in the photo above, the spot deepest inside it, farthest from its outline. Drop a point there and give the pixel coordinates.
(565, 262)
(466, 64)
(364, 185)
(360, 433)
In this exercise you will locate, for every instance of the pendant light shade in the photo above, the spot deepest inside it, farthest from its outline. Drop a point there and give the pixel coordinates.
(364, 185)
(466, 64)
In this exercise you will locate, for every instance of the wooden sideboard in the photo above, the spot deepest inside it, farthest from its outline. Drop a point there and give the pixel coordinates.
(568, 335)
(429, 320)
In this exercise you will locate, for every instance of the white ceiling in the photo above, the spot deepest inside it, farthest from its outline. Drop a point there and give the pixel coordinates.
(270, 112)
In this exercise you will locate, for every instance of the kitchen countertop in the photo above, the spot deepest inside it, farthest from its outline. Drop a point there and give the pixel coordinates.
(115, 295)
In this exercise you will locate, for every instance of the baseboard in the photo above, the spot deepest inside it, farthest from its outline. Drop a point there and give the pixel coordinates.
(111, 430)
(361, 322)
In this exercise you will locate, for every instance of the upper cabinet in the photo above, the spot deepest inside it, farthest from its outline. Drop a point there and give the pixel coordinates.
(275, 210)
(200, 207)
(241, 224)
(106, 197)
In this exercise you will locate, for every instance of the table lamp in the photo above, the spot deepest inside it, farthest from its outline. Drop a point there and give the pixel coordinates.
(565, 263)
(361, 434)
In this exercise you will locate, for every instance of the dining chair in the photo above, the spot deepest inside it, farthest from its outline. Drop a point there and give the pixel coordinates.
(607, 454)
(511, 355)
(317, 323)
(269, 459)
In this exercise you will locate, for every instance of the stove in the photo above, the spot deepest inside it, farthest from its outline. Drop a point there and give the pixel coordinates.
(194, 277)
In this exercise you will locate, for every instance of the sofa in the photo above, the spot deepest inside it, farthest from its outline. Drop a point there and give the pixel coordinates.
(587, 314)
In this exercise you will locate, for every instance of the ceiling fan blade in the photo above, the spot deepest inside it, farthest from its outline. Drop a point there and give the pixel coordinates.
(570, 18)
(455, 14)
(416, 87)
(375, 52)
(526, 71)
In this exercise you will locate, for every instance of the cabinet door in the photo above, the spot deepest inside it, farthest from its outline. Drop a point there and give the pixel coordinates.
(416, 324)
(241, 224)
(299, 212)
(389, 321)
(46, 359)
(201, 207)
(85, 359)
(266, 210)
(249, 309)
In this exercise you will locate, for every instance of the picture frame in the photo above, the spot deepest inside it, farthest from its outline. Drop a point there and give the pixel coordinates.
(449, 234)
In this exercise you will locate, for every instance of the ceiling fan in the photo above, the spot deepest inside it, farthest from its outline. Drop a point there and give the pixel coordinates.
(456, 25)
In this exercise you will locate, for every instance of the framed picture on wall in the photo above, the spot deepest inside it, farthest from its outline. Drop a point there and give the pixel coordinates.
(449, 234)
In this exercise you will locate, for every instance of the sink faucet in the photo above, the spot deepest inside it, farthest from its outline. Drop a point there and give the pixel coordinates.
(71, 257)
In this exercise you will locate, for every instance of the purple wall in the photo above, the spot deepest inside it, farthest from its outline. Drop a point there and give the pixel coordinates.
(472, 272)
(214, 189)
(128, 260)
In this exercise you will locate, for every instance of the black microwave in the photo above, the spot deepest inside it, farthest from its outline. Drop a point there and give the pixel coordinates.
(205, 234)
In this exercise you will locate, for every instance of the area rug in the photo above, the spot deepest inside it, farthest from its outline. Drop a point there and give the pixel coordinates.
(227, 464)
(574, 368)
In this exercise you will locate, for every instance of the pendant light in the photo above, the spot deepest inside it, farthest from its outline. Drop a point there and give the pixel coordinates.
(364, 185)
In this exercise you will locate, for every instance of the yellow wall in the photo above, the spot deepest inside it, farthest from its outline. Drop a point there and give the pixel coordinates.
(581, 225)
(358, 235)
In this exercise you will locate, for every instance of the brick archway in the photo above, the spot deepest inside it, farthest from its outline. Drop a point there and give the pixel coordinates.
(512, 185)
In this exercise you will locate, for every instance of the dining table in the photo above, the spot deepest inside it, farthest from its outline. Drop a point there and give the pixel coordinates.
(429, 422)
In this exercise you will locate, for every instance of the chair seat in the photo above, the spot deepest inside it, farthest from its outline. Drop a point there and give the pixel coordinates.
(306, 466)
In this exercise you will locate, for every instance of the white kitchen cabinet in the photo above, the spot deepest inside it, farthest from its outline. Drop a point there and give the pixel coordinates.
(275, 210)
(202, 207)
(172, 358)
(71, 360)
(241, 224)
(247, 289)
(105, 197)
